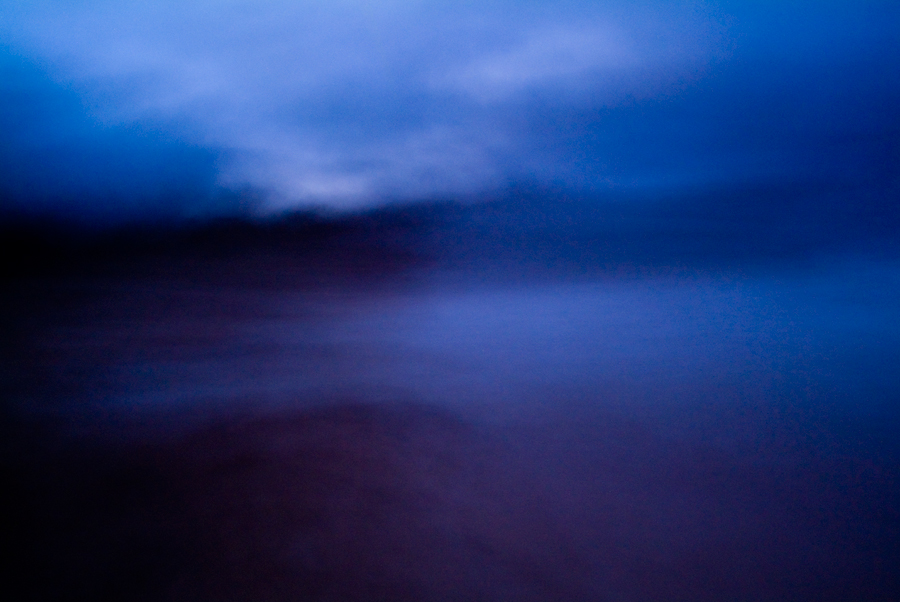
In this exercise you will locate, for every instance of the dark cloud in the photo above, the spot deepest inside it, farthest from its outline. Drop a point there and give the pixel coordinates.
(57, 159)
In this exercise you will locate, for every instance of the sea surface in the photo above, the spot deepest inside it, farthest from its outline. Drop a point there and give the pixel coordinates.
(438, 434)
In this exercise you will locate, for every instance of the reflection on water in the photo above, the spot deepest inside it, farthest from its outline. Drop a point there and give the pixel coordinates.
(499, 349)
(645, 438)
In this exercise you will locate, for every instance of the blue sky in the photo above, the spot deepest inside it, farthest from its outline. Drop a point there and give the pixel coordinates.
(132, 108)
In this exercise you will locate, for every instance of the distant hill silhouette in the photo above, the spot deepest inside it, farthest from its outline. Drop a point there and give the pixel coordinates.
(525, 232)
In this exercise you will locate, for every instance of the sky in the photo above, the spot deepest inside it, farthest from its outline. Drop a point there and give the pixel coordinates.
(122, 110)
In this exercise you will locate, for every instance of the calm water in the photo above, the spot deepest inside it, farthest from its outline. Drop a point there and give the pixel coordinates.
(670, 437)
(827, 336)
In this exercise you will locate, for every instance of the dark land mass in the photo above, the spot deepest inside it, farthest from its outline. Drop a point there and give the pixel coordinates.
(521, 234)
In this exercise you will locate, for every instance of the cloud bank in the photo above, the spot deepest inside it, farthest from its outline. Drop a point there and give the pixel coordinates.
(349, 103)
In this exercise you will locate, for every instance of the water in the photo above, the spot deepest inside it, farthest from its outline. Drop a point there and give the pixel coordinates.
(681, 436)
(494, 348)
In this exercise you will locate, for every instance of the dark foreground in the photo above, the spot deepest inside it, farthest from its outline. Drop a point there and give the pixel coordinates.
(406, 502)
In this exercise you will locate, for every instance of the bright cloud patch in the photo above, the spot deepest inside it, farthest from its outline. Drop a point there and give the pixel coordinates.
(343, 102)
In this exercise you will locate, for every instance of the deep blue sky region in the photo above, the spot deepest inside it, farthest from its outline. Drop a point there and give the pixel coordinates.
(118, 109)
